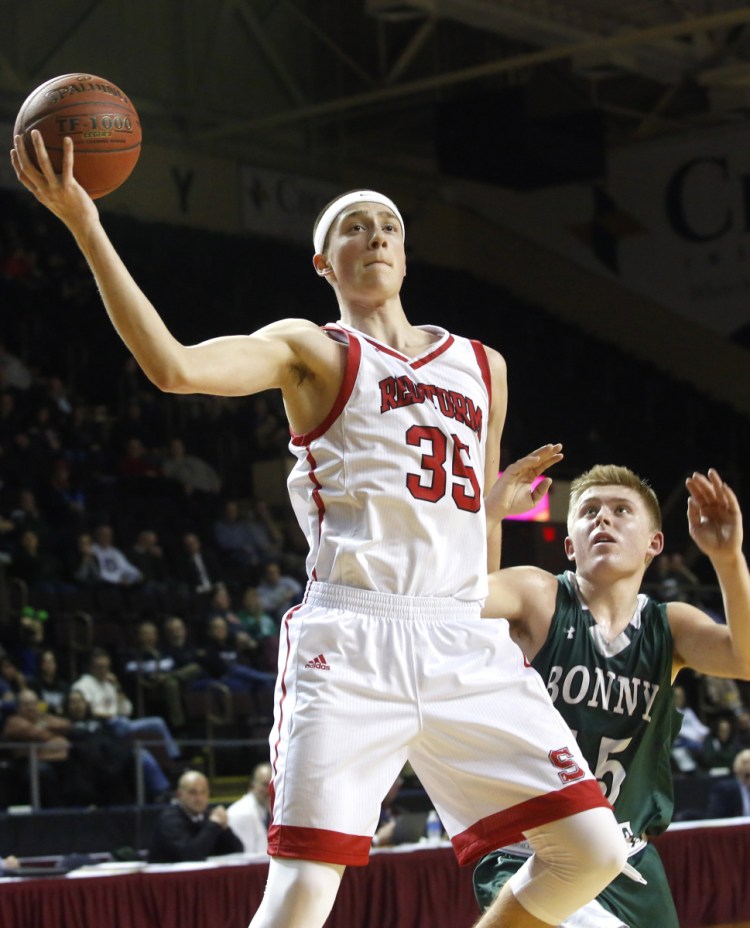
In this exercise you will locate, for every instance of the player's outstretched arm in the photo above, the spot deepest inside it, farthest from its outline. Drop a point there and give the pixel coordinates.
(715, 525)
(523, 595)
(232, 366)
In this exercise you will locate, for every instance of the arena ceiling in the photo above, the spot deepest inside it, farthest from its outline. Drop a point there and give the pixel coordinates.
(313, 84)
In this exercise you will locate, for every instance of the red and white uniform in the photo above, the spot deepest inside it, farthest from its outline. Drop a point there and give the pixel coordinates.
(388, 489)
(387, 660)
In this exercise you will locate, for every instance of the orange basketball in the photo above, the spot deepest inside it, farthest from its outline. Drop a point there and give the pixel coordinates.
(97, 115)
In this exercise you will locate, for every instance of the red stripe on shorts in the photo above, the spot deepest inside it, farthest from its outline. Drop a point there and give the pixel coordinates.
(332, 847)
(507, 827)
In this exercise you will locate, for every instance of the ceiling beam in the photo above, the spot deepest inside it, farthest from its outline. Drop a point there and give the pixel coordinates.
(518, 62)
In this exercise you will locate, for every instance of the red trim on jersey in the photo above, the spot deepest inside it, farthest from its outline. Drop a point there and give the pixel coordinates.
(507, 827)
(353, 357)
(484, 365)
(420, 362)
(282, 680)
(332, 847)
(317, 499)
(441, 349)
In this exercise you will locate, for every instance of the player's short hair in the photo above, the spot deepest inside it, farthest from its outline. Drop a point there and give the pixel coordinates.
(606, 475)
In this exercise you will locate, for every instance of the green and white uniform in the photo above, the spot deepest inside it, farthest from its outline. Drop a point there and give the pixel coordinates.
(617, 698)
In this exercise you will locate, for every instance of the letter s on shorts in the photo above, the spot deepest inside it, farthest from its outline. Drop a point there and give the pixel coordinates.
(566, 764)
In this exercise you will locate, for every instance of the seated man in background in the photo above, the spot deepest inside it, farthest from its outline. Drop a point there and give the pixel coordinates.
(28, 723)
(250, 816)
(188, 829)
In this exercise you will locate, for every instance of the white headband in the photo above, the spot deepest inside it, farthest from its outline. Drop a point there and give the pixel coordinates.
(340, 203)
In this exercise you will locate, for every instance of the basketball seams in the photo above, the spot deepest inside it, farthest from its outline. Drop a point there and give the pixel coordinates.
(79, 103)
(95, 118)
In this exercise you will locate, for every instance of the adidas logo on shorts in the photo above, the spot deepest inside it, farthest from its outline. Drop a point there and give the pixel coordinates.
(317, 663)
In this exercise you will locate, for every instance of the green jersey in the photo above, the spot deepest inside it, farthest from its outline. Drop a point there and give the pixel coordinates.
(617, 698)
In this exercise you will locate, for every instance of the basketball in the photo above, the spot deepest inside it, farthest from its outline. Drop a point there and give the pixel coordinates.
(99, 118)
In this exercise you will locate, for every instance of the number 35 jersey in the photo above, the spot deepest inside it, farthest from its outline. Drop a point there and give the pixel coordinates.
(388, 488)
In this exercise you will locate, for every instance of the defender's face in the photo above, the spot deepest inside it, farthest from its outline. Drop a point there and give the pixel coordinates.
(366, 250)
(611, 528)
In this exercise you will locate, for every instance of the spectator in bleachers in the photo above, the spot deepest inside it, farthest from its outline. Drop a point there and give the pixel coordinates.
(82, 563)
(719, 746)
(183, 653)
(236, 538)
(136, 465)
(729, 797)
(221, 605)
(12, 681)
(718, 696)
(103, 764)
(32, 563)
(196, 567)
(147, 667)
(49, 685)
(31, 632)
(57, 396)
(27, 514)
(277, 592)
(227, 657)
(261, 628)
(114, 566)
(194, 474)
(250, 816)
(688, 745)
(109, 703)
(28, 723)
(269, 428)
(63, 501)
(674, 580)
(742, 729)
(147, 555)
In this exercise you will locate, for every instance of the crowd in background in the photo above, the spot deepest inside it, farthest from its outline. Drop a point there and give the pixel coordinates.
(136, 513)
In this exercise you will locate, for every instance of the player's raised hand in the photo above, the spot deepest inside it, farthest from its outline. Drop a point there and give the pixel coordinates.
(514, 491)
(60, 193)
(714, 515)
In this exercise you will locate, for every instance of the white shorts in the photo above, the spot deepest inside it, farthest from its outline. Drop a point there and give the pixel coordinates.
(368, 681)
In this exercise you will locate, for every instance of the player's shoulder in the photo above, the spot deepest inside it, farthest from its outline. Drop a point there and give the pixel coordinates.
(496, 362)
(303, 337)
(293, 328)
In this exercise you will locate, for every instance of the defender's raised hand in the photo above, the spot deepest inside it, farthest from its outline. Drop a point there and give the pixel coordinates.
(513, 492)
(714, 515)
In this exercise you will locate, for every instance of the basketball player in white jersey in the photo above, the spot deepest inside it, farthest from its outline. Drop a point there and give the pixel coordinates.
(396, 429)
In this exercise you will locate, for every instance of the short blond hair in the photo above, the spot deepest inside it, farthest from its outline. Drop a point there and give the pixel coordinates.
(606, 475)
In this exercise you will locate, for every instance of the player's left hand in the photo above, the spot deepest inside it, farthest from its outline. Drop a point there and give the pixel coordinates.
(714, 515)
(514, 491)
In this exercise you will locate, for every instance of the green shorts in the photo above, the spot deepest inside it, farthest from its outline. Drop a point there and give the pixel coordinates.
(632, 904)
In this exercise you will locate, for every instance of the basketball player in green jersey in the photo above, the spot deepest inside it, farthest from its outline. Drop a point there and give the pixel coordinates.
(608, 655)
